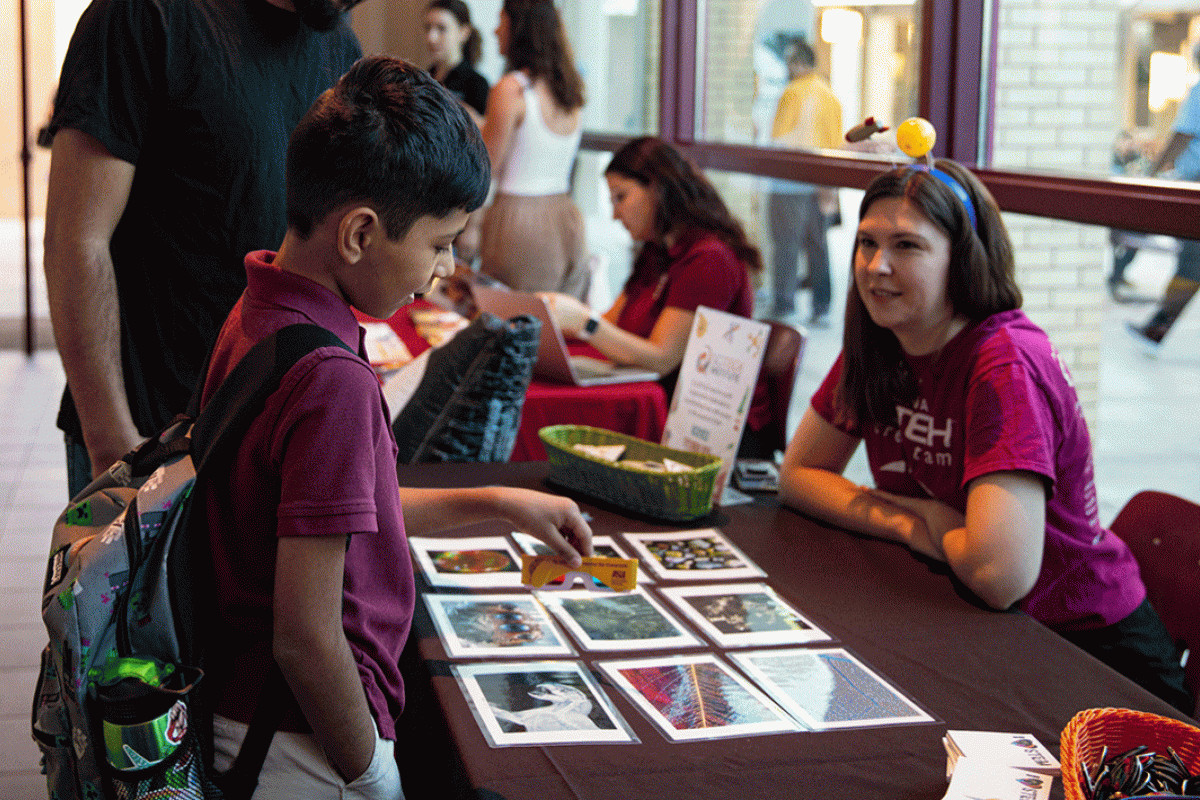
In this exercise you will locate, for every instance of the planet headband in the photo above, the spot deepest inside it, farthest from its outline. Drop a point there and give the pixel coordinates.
(915, 137)
(955, 187)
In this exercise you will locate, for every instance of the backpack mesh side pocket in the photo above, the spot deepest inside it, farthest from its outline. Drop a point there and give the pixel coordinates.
(151, 748)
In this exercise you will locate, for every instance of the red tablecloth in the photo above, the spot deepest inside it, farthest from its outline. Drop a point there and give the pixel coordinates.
(636, 409)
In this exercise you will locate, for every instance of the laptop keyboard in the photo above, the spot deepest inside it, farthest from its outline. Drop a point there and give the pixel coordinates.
(588, 367)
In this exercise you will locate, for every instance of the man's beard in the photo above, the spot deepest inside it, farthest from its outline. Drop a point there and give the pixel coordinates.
(320, 15)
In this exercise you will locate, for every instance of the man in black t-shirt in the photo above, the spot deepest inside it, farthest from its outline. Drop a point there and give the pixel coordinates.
(170, 129)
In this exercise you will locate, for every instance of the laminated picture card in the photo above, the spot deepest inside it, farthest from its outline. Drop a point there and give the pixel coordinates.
(703, 554)
(628, 621)
(480, 562)
(489, 625)
(743, 614)
(540, 703)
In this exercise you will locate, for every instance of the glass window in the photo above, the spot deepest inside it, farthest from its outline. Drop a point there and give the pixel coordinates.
(616, 48)
(866, 53)
(1091, 88)
(616, 44)
(1125, 395)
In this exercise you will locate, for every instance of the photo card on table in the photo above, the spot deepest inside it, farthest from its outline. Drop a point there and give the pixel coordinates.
(694, 697)
(829, 688)
(703, 554)
(495, 625)
(540, 703)
(605, 546)
(619, 621)
(480, 562)
(743, 615)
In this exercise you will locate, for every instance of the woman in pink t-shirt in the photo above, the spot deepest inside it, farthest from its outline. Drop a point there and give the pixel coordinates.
(975, 437)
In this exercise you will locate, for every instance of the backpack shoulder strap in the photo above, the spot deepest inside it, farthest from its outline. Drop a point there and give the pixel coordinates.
(241, 396)
(221, 423)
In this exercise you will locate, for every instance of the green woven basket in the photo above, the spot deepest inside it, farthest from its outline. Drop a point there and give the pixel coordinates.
(674, 496)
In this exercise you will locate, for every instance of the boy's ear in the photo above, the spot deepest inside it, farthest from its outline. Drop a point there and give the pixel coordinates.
(356, 232)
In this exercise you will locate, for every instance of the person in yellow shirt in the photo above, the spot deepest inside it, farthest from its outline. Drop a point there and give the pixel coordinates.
(808, 116)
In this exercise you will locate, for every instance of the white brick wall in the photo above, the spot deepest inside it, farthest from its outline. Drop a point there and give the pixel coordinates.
(1055, 110)
(1056, 100)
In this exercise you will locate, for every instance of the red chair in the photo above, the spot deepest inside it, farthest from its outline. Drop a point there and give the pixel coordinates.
(1163, 531)
(781, 361)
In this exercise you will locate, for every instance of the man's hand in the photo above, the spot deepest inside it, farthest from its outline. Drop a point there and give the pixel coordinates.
(88, 191)
(554, 520)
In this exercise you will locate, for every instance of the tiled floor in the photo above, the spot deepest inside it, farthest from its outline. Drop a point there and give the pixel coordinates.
(32, 492)
(1145, 437)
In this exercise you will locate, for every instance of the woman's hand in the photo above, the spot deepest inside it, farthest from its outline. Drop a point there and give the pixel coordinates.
(996, 548)
(938, 518)
(570, 314)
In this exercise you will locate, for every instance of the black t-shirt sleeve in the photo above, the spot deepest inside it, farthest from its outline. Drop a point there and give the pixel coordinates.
(475, 93)
(468, 85)
(108, 84)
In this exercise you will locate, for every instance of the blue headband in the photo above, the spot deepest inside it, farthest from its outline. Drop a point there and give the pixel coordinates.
(955, 187)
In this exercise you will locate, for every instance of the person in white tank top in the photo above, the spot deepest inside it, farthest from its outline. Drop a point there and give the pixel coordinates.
(539, 159)
(533, 238)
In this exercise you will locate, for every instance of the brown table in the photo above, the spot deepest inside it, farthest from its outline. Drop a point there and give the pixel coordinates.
(968, 666)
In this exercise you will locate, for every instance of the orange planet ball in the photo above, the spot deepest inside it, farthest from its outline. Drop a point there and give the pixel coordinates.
(915, 136)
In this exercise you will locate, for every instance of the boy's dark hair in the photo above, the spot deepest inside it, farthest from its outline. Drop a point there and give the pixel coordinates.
(389, 136)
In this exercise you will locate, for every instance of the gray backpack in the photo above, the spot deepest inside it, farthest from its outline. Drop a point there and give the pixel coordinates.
(120, 709)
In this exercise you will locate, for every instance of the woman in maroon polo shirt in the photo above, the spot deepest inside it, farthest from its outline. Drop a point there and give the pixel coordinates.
(693, 253)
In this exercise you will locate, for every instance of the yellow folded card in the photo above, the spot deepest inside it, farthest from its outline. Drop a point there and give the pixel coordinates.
(619, 574)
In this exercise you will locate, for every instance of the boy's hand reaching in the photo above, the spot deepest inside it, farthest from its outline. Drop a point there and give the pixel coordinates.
(554, 520)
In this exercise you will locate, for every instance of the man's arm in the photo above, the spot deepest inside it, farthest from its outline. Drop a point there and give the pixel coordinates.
(309, 644)
(88, 191)
(786, 115)
(1175, 147)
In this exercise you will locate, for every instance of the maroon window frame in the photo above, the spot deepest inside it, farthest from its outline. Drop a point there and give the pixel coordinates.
(952, 74)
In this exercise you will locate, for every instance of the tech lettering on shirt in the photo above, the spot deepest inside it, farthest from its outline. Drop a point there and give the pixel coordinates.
(917, 426)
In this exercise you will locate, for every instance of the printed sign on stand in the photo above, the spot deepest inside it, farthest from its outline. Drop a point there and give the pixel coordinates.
(716, 385)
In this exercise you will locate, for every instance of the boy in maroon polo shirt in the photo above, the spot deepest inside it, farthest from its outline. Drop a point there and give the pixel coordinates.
(308, 540)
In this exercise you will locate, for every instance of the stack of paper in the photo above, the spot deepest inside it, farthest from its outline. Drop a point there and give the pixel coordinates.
(1018, 750)
(437, 326)
(385, 350)
(974, 779)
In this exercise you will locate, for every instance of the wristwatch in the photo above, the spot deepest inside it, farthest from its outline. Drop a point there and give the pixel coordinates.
(589, 328)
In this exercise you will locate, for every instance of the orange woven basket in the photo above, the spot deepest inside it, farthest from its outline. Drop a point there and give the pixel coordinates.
(1120, 729)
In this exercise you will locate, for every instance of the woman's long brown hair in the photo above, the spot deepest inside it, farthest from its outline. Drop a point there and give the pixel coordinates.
(685, 198)
(980, 282)
(537, 43)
